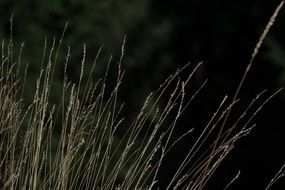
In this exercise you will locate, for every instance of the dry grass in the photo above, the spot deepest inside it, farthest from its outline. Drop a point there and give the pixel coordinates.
(89, 154)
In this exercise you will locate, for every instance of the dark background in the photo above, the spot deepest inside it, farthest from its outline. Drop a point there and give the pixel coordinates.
(163, 36)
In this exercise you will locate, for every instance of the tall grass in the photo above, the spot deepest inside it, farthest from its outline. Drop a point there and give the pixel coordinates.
(90, 153)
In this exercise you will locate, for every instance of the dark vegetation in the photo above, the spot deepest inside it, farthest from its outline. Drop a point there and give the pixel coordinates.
(161, 37)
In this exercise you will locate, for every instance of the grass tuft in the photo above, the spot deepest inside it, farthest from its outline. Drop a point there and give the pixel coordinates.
(78, 143)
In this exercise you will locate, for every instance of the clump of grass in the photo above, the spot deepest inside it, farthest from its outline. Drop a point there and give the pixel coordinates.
(89, 153)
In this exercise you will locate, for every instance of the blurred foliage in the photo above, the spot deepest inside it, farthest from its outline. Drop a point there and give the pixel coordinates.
(96, 23)
(276, 54)
(161, 36)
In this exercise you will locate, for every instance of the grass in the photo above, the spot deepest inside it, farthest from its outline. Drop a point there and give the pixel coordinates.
(91, 152)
